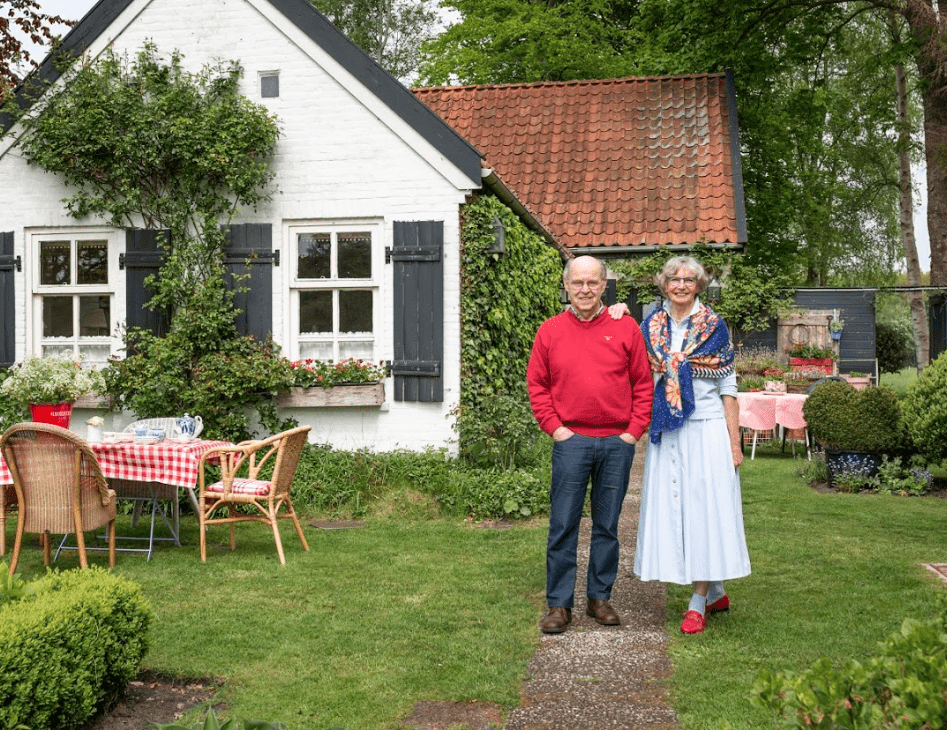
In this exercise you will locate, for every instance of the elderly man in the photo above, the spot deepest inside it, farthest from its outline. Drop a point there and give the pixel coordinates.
(590, 388)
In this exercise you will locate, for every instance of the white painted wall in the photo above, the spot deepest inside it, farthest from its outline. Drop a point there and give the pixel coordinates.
(342, 155)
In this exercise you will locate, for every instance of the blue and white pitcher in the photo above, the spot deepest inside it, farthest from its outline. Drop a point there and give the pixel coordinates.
(188, 427)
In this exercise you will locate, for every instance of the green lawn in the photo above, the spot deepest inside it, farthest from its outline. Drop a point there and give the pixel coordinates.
(900, 382)
(374, 619)
(833, 575)
(351, 634)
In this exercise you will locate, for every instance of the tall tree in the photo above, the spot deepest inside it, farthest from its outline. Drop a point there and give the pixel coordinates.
(815, 107)
(19, 19)
(391, 31)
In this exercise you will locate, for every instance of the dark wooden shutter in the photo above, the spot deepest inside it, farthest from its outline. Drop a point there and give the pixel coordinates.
(8, 265)
(143, 256)
(252, 243)
(419, 311)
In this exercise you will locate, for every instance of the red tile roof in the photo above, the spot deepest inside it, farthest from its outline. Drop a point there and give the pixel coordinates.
(615, 162)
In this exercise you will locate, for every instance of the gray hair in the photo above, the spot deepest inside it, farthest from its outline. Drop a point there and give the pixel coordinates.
(675, 265)
(567, 270)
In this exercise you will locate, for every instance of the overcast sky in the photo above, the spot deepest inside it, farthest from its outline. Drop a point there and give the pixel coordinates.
(76, 9)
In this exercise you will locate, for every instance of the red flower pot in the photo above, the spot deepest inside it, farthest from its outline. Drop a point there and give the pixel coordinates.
(56, 414)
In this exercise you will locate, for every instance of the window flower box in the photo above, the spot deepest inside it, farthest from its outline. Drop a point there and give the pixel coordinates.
(336, 396)
(824, 365)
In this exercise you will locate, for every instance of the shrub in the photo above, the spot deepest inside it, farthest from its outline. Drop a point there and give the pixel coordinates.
(74, 640)
(905, 686)
(894, 346)
(925, 411)
(485, 494)
(841, 417)
(170, 376)
(893, 478)
(499, 432)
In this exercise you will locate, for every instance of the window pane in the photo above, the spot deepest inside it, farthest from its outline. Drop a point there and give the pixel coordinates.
(355, 255)
(95, 355)
(94, 316)
(92, 262)
(315, 312)
(358, 350)
(64, 351)
(315, 350)
(314, 260)
(54, 262)
(57, 317)
(355, 311)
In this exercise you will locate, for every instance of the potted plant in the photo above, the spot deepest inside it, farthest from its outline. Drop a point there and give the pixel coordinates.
(855, 427)
(752, 384)
(349, 382)
(803, 356)
(774, 380)
(835, 328)
(50, 386)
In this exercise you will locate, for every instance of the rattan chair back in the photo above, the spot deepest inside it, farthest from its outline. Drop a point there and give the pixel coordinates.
(59, 486)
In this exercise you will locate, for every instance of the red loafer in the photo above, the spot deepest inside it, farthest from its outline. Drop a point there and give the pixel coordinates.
(693, 623)
(721, 604)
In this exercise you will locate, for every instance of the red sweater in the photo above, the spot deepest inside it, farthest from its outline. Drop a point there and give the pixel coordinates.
(592, 377)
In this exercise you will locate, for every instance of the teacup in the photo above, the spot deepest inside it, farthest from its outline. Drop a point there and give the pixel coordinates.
(141, 431)
(156, 433)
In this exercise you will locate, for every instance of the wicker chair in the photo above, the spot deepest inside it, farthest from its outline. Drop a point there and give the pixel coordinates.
(59, 488)
(268, 497)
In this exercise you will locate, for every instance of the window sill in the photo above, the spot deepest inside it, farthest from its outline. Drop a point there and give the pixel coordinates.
(361, 394)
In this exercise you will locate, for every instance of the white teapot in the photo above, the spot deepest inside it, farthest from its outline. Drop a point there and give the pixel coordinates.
(188, 427)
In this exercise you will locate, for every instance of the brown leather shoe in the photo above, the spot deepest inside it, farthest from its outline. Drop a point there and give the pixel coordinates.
(602, 612)
(555, 620)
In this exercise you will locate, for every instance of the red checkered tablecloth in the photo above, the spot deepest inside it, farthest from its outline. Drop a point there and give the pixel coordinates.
(168, 462)
(764, 411)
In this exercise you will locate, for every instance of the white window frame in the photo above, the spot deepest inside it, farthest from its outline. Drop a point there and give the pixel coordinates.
(375, 227)
(114, 289)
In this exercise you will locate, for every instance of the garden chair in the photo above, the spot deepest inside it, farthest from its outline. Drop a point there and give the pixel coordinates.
(59, 487)
(265, 496)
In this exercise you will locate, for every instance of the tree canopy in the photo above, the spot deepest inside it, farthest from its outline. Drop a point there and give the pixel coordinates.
(390, 31)
(19, 18)
(815, 93)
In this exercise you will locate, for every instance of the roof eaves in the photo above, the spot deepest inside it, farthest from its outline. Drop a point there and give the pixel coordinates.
(493, 183)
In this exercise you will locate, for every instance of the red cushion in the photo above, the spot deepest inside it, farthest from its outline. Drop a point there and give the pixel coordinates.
(243, 486)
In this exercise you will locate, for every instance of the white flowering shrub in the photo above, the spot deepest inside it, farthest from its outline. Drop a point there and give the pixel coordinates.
(51, 380)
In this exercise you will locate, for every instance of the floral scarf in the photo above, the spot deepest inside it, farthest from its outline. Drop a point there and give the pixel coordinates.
(707, 353)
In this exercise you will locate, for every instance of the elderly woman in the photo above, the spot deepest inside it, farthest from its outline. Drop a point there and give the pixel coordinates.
(691, 526)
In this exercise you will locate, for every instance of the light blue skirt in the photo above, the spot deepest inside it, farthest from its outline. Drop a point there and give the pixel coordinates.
(691, 520)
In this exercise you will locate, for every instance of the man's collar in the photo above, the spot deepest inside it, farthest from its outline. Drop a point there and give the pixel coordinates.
(601, 309)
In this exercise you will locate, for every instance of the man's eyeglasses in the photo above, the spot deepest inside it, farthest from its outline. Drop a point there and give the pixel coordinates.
(687, 281)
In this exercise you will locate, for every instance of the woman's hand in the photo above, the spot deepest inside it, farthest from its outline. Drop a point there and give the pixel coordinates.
(737, 456)
(617, 311)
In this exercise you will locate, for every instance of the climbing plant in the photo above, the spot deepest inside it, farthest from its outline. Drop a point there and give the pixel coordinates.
(142, 142)
(504, 299)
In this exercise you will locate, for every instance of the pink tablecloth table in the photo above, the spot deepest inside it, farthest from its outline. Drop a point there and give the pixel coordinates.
(765, 411)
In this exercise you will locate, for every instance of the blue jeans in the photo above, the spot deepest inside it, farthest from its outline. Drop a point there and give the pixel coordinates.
(607, 462)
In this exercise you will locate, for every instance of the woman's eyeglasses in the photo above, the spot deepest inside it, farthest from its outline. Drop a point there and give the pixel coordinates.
(683, 281)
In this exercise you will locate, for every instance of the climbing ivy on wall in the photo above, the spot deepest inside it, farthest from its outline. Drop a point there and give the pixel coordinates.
(504, 300)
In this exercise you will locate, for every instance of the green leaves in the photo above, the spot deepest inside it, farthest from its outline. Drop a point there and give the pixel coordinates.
(503, 302)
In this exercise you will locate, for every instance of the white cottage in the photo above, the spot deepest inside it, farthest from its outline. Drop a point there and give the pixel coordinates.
(361, 164)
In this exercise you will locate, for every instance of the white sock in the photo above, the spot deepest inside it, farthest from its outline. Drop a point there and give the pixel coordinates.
(715, 592)
(698, 603)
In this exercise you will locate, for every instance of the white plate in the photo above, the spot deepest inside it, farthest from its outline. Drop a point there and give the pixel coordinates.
(118, 436)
